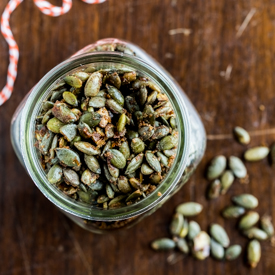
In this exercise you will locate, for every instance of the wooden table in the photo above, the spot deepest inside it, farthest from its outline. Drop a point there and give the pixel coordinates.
(35, 238)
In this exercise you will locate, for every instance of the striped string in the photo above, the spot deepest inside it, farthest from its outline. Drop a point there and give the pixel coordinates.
(47, 9)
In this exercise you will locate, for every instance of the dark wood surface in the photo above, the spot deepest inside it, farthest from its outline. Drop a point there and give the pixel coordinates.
(35, 238)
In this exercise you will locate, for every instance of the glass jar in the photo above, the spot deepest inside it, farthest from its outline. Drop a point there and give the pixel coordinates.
(191, 146)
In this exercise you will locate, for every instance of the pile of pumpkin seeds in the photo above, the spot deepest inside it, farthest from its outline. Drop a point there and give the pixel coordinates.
(106, 137)
(188, 237)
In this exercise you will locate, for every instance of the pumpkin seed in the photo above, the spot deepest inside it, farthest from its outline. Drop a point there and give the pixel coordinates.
(97, 185)
(73, 81)
(242, 135)
(146, 169)
(227, 180)
(184, 230)
(163, 244)
(142, 95)
(84, 130)
(107, 174)
(255, 233)
(248, 220)
(173, 122)
(217, 250)
(216, 167)
(69, 131)
(134, 164)
(114, 106)
(114, 172)
(182, 245)
(45, 143)
(146, 132)
(87, 148)
(253, 253)
(247, 201)
(137, 145)
(117, 199)
(189, 209)
(176, 224)
(233, 252)
(63, 113)
(201, 246)
(153, 161)
(256, 153)
(193, 230)
(109, 130)
(131, 104)
(110, 192)
(92, 163)
(233, 212)
(267, 225)
(97, 102)
(134, 195)
(214, 189)
(237, 167)
(93, 84)
(102, 198)
(132, 134)
(121, 123)
(71, 177)
(91, 119)
(88, 177)
(152, 97)
(70, 98)
(47, 105)
(123, 185)
(167, 143)
(46, 117)
(54, 125)
(170, 153)
(160, 132)
(117, 158)
(68, 157)
(55, 174)
(115, 94)
(219, 234)
(155, 178)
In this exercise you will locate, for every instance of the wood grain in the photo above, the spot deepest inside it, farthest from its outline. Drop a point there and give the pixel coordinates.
(35, 238)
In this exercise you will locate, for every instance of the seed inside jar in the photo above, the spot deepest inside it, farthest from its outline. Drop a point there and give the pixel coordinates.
(106, 137)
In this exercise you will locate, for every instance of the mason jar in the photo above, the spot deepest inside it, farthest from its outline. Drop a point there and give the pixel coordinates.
(108, 53)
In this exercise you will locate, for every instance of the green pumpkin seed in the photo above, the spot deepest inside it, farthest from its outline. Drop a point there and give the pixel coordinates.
(85, 197)
(82, 75)
(247, 201)
(134, 195)
(216, 167)
(267, 225)
(117, 199)
(57, 95)
(163, 159)
(115, 94)
(92, 163)
(88, 177)
(146, 169)
(47, 105)
(256, 153)
(97, 185)
(189, 209)
(54, 125)
(121, 123)
(46, 117)
(227, 180)
(170, 153)
(129, 77)
(153, 161)
(255, 233)
(71, 177)
(160, 132)
(242, 135)
(184, 230)
(142, 95)
(69, 131)
(45, 143)
(152, 97)
(135, 183)
(93, 84)
(63, 113)
(176, 224)
(134, 164)
(91, 119)
(53, 146)
(77, 113)
(173, 123)
(163, 244)
(87, 148)
(124, 149)
(97, 102)
(249, 220)
(68, 157)
(214, 189)
(113, 170)
(137, 145)
(202, 242)
(107, 174)
(167, 143)
(115, 80)
(217, 250)
(237, 167)
(55, 174)
(73, 81)
(70, 98)
(132, 134)
(233, 252)
(110, 192)
(182, 245)
(131, 104)
(123, 185)
(146, 132)
(114, 106)
(149, 115)
(253, 253)
(233, 212)
(219, 234)
(77, 138)
(90, 69)
(102, 198)
(155, 178)
(193, 230)
(84, 130)
(116, 158)
(62, 142)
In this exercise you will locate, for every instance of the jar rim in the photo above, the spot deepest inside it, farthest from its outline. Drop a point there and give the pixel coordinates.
(32, 162)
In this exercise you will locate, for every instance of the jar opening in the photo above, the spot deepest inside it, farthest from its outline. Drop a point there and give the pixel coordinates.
(31, 159)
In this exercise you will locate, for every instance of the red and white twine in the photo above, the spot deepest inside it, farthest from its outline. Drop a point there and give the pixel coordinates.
(47, 9)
